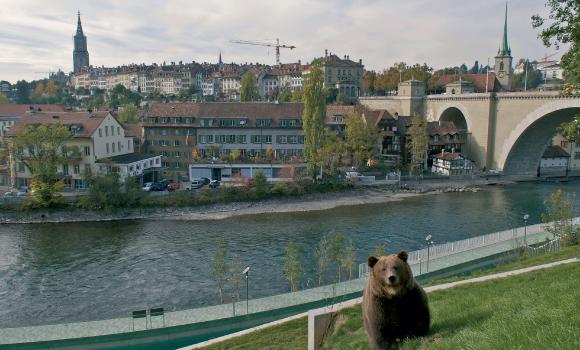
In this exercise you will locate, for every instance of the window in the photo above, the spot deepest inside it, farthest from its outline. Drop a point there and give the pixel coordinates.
(231, 138)
(100, 132)
(202, 139)
(209, 138)
(128, 145)
(221, 139)
(301, 139)
(256, 139)
(263, 123)
(177, 143)
(241, 139)
(87, 169)
(106, 130)
(107, 146)
(76, 169)
(87, 150)
(164, 132)
(281, 139)
(576, 155)
(292, 139)
(267, 138)
(113, 146)
(20, 167)
(119, 145)
(65, 169)
(119, 130)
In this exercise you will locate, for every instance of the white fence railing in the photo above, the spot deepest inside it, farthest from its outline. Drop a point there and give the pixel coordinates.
(441, 250)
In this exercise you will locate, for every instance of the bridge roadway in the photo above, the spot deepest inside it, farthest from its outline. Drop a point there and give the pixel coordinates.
(186, 327)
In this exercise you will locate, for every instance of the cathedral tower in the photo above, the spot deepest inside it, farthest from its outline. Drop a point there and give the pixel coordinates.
(503, 60)
(80, 53)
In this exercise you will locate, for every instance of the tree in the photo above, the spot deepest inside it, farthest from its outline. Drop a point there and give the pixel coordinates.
(50, 89)
(22, 92)
(331, 152)
(419, 143)
(380, 250)
(336, 253)
(349, 261)
(475, 68)
(41, 148)
(3, 99)
(571, 130)
(38, 91)
(236, 278)
(563, 29)
(322, 258)
(220, 268)
(560, 211)
(313, 115)
(235, 155)
(249, 87)
(296, 96)
(285, 95)
(369, 82)
(292, 265)
(128, 114)
(361, 139)
(120, 96)
(261, 184)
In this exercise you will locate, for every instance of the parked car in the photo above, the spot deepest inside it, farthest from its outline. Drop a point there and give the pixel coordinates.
(14, 193)
(158, 186)
(147, 186)
(214, 184)
(197, 183)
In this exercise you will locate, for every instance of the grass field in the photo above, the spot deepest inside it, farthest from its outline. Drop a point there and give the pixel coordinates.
(538, 310)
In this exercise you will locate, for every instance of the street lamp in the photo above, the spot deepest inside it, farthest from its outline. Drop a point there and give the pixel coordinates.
(429, 243)
(246, 273)
(526, 218)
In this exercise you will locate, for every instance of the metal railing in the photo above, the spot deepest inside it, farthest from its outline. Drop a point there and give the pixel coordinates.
(442, 250)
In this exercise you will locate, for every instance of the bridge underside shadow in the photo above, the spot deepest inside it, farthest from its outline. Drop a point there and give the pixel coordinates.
(524, 157)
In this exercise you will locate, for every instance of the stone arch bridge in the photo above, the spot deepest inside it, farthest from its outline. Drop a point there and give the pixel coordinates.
(507, 131)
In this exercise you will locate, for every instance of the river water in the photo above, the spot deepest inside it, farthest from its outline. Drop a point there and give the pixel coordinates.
(55, 273)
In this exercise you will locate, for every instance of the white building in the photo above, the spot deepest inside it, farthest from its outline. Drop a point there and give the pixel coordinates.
(450, 164)
(554, 162)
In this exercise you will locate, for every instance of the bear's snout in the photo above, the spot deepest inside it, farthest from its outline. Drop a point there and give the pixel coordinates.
(392, 279)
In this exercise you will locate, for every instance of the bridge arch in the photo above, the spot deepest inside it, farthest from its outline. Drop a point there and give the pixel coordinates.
(457, 114)
(522, 150)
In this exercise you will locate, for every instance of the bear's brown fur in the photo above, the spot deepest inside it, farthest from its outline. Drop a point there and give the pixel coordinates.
(394, 305)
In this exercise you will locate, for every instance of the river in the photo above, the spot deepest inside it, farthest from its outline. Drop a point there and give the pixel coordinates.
(55, 273)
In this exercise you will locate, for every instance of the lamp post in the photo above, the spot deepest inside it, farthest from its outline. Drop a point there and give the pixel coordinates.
(246, 273)
(429, 243)
(526, 218)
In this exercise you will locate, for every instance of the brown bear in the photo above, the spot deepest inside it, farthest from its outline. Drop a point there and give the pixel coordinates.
(394, 305)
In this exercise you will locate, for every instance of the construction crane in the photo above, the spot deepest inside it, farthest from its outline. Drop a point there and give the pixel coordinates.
(266, 43)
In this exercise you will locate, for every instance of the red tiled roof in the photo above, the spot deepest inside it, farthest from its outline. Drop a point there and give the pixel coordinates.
(478, 81)
(448, 155)
(88, 122)
(442, 128)
(19, 110)
(133, 130)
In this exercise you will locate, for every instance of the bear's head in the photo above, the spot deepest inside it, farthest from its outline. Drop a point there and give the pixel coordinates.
(390, 275)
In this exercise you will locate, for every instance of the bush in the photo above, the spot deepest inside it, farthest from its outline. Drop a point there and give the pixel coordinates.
(279, 189)
(261, 184)
(107, 193)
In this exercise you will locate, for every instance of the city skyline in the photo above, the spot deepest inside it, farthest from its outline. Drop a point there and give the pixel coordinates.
(38, 37)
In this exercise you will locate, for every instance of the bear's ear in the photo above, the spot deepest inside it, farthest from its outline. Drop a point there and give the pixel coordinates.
(403, 255)
(372, 261)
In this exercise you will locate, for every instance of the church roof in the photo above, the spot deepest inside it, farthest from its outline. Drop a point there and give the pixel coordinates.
(504, 49)
(79, 25)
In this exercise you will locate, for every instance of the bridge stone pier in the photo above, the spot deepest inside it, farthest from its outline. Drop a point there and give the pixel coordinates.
(506, 131)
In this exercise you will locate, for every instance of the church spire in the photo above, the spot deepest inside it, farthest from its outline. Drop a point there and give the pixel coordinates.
(504, 49)
(220, 62)
(79, 26)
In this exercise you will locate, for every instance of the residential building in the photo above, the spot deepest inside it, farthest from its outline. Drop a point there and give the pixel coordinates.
(242, 173)
(573, 149)
(445, 136)
(452, 164)
(97, 140)
(343, 74)
(554, 162)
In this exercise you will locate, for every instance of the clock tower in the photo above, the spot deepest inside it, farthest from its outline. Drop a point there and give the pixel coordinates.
(503, 60)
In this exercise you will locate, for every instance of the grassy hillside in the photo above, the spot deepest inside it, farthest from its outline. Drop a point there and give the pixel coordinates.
(460, 314)
(537, 310)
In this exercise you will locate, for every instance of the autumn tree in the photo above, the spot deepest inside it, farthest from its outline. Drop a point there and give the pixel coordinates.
(50, 89)
(41, 148)
(38, 91)
(331, 152)
(313, 115)
(361, 138)
(249, 87)
(369, 82)
(292, 265)
(562, 27)
(296, 96)
(419, 143)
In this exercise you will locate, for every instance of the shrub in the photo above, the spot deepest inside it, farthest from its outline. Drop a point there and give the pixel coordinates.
(261, 184)
(279, 189)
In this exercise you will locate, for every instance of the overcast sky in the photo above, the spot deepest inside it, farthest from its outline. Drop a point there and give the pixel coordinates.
(36, 36)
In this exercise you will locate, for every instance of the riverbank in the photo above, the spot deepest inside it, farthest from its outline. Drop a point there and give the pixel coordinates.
(309, 202)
